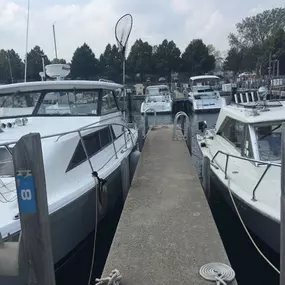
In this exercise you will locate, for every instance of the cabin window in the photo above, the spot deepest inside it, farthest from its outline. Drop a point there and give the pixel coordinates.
(18, 104)
(93, 142)
(269, 141)
(73, 103)
(105, 137)
(247, 149)
(233, 131)
(109, 103)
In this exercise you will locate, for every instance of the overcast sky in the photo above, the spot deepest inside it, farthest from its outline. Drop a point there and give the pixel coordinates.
(93, 22)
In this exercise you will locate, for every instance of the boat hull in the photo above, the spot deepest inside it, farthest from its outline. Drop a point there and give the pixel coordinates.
(71, 224)
(267, 229)
(207, 105)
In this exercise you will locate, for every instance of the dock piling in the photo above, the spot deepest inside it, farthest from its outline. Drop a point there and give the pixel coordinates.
(206, 176)
(33, 208)
(125, 176)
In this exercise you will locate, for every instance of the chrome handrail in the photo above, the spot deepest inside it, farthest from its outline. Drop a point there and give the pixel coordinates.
(185, 117)
(258, 162)
(79, 132)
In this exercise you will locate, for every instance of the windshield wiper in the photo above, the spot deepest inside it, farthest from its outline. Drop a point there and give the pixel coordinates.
(263, 137)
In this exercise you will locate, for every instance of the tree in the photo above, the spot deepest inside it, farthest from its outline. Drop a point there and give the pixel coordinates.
(233, 61)
(58, 61)
(140, 59)
(255, 37)
(212, 51)
(111, 63)
(277, 48)
(196, 58)
(84, 63)
(11, 66)
(166, 58)
(257, 29)
(35, 66)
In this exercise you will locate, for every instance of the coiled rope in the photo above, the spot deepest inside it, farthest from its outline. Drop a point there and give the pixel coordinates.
(113, 279)
(247, 231)
(219, 272)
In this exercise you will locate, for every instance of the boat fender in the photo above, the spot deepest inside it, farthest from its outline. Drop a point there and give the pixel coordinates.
(101, 188)
(134, 159)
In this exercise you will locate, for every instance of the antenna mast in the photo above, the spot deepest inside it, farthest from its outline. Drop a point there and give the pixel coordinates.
(55, 48)
(27, 36)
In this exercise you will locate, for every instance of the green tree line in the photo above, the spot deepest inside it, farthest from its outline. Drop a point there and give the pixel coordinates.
(144, 61)
(258, 40)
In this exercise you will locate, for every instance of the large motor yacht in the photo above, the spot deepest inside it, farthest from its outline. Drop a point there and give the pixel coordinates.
(82, 130)
(204, 94)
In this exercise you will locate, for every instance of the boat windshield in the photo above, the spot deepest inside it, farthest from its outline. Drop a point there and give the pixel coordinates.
(18, 104)
(269, 141)
(71, 103)
(212, 82)
(57, 102)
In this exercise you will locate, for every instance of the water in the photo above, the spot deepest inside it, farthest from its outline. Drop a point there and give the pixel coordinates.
(250, 268)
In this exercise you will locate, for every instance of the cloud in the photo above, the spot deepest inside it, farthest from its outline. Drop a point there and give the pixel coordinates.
(93, 22)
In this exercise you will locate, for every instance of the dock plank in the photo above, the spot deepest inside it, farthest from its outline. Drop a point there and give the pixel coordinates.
(166, 231)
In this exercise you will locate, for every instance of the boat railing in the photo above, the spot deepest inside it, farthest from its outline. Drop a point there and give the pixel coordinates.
(125, 129)
(257, 162)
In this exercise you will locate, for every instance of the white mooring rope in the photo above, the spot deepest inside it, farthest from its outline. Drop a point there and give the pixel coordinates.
(248, 233)
(218, 272)
(113, 279)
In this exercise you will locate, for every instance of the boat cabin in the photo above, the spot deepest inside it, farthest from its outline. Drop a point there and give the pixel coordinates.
(157, 93)
(253, 130)
(204, 81)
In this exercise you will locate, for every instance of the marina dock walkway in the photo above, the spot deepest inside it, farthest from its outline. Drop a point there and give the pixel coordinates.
(166, 231)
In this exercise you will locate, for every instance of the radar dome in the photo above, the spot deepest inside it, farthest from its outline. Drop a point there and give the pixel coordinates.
(58, 71)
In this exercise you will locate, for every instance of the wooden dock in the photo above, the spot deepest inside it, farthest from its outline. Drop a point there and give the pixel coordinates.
(166, 231)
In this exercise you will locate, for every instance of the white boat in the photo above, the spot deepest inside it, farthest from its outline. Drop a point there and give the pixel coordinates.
(204, 95)
(245, 153)
(62, 111)
(158, 98)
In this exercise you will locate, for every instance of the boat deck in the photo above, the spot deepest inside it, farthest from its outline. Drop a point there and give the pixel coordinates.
(166, 231)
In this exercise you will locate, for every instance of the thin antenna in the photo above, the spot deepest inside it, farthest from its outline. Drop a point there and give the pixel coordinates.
(55, 48)
(27, 37)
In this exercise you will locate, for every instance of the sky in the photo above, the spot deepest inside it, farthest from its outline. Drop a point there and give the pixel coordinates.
(93, 22)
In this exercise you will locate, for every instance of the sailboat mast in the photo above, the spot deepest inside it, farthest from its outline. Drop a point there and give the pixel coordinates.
(27, 37)
(55, 48)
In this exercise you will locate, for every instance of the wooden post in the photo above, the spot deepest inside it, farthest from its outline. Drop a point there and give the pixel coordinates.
(282, 203)
(189, 139)
(125, 176)
(33, 208)
(206, 175)
(146, 125)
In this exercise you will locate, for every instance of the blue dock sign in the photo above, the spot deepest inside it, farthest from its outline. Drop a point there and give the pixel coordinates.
(26, 192)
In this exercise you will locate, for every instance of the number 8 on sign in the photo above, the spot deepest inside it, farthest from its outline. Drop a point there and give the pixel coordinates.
(26, 193)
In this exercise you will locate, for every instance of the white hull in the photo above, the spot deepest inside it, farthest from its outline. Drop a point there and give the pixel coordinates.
(261, 225)
(74, 222)
(259, 216)
(207, 105)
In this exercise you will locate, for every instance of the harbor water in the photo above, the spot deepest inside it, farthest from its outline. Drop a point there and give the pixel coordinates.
(249, 266)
